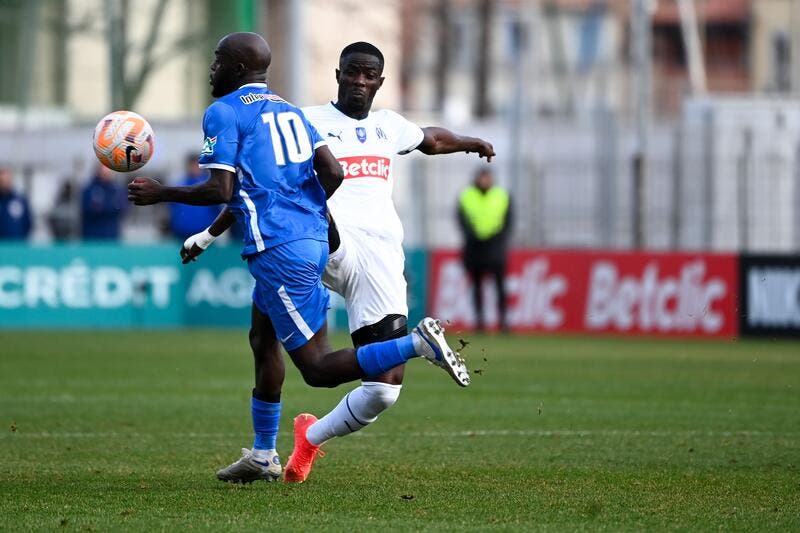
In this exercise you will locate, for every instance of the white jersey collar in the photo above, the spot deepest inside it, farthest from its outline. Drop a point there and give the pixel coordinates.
(263, 85)
(348, 117)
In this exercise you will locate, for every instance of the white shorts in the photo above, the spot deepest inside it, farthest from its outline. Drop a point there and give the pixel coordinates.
(367, 271)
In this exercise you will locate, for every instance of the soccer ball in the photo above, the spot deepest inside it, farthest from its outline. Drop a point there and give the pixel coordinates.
(123, 141)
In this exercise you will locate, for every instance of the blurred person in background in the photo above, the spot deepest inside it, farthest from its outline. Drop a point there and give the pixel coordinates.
(103, 203)
(484, 215)
(64, 216)
(15, 213)
(186, 220)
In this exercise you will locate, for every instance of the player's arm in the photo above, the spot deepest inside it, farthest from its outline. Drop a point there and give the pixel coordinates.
(197, 243)
(329, 171)
(443, 141)
(219, 155)
(217, 189)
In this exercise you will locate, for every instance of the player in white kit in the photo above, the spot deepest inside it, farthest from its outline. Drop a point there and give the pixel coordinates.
(366, 262)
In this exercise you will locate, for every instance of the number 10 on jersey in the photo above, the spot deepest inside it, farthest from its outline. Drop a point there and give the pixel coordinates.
(289, 135)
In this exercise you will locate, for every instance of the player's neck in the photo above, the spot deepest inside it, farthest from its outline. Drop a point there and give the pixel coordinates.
(253, 79)
(358, 114)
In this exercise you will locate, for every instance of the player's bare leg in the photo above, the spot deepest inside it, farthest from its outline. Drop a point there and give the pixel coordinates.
(267, 357)
(322, 368)
(262, 461)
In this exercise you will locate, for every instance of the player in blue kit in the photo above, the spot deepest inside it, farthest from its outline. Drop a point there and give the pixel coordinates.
(275, 172)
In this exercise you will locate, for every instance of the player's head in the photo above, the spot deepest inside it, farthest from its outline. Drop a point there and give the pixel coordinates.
(361, 47)
(359, 76)
(238, 59)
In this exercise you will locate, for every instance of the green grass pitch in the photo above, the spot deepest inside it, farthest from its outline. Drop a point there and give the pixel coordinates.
(119, 431)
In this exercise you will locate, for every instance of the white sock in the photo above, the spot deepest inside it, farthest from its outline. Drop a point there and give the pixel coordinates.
(264, 456)
(359, 408)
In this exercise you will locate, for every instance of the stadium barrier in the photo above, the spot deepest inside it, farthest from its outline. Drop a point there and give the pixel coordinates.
(87, 286)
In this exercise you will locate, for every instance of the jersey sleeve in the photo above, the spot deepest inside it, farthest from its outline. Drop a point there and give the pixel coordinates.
(221, 142)
(407, 134)
(316, 138)
(313, 134)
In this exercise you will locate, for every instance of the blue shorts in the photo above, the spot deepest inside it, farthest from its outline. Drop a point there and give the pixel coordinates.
(289, 289)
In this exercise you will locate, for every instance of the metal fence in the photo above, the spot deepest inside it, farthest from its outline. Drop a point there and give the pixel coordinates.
(725, 177)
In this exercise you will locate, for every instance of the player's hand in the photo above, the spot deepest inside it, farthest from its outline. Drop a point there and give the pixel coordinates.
(190, 253)
(486, 150)
(144, 191)
(196, 245)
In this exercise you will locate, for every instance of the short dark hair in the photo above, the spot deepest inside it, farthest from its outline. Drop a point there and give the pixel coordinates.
(362, 47)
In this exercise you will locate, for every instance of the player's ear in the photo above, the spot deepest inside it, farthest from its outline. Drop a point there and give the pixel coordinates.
(337, 75)
(380, 83)
(240, 69)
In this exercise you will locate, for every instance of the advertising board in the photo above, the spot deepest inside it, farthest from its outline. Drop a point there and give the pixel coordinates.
(770, 289)
(680, 294)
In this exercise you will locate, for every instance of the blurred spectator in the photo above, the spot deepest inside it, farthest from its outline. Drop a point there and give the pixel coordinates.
(64, 216)
(15, 213)
(103, 203)
(484, 214)
(186, 220)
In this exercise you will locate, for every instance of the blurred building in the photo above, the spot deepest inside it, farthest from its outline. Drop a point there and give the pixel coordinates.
(570, 92)
(81, 58)
(307, 36)
(572, 52)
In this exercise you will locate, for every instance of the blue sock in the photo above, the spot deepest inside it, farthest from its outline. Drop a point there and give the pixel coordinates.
(266, 417)
(380, 357)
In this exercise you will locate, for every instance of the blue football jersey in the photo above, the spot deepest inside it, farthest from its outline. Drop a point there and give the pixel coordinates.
(269, 145)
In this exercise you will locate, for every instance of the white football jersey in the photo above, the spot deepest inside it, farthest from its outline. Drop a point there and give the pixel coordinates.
(366, 149)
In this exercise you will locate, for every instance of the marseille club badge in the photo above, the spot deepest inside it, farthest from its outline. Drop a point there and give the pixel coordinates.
(361, 133)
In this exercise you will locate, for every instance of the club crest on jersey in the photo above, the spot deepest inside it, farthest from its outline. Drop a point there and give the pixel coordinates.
(380, 134)
(361, 133)
(208, 145)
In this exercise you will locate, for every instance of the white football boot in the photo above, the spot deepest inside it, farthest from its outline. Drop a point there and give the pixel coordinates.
(247, 469)
(436, 350)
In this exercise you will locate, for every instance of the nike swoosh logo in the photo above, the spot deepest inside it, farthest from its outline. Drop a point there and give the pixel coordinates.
(128, 150)
(287, 337)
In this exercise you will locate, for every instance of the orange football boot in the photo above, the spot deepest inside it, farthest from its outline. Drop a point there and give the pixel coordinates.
(304, 453)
